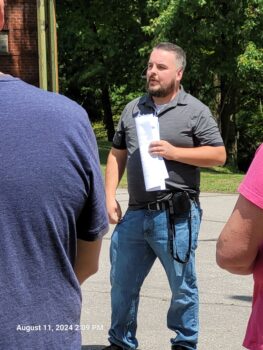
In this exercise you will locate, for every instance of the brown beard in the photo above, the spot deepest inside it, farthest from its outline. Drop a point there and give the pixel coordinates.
(161, 92)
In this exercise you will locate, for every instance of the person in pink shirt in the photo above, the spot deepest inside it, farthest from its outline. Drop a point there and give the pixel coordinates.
(240, 245)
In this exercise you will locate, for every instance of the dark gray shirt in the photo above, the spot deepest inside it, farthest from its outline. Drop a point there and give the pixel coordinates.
(184, 122)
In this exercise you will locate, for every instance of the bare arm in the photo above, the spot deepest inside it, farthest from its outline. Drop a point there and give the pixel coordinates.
(203, 156)
(87, 259)
(116, 164)
(239, 241)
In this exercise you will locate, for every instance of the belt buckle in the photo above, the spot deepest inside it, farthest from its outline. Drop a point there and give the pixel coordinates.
(153, 206)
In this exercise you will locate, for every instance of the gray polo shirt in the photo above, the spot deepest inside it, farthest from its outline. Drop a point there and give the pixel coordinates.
(184, 122)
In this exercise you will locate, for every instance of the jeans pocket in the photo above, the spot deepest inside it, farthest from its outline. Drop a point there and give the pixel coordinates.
(125, 216)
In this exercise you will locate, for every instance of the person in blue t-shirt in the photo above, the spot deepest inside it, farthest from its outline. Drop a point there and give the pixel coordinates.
(52, 215)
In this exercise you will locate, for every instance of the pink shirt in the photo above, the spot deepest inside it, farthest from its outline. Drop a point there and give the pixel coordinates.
(252, 189)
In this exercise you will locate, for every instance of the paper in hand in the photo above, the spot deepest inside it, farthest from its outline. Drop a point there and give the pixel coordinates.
(154, 169)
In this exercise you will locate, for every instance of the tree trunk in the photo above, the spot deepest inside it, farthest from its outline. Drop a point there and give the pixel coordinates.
(228, 121)
(107, 115)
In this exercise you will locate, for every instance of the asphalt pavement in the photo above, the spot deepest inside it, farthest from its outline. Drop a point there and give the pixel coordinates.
(225, 299)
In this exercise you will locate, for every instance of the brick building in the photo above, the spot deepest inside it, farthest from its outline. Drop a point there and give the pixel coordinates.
(19, 41)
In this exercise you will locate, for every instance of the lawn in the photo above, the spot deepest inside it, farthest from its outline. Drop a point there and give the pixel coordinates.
(104, 147)
(216, 179)
(220, 179)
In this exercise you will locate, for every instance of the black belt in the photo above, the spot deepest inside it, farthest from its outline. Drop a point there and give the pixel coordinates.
(163, 205)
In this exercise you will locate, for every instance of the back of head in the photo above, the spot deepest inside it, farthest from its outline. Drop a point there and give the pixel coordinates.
(1, 14)
(177, 50)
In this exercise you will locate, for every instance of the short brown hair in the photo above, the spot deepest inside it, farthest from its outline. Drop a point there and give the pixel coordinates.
(178, 51)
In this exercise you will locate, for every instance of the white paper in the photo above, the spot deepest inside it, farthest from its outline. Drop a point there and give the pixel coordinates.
(154, 168)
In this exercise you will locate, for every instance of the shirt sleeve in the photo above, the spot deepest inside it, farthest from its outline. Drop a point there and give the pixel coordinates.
(119, 140)
(206, 131)
(252, 185)
(92, 222)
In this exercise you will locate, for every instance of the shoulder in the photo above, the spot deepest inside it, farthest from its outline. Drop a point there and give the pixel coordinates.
(47, 101)
(41, 105)
(132, 108)
(135, 102)
(193, 103)
(66, 116)
(256, 167)
(62, 104)
(259, 153)
(199, 114)
(252, 185)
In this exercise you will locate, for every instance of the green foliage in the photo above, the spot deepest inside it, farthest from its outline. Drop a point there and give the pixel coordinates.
(99, 47)
(104, 46)
(120, 96)
(223, 42)
(250, 65)
(250, 127)
(165, 14)
(99, 131)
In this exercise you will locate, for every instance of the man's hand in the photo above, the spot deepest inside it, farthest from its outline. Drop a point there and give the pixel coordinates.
(162, 148)
(201, 156)
(114, 211)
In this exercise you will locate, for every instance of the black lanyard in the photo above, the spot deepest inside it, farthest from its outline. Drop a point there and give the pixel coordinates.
(172, 234)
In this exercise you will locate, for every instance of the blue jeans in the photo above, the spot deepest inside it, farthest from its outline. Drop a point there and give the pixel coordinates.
(137, 240)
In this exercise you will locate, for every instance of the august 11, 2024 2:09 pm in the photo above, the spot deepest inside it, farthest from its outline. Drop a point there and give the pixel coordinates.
(58, 327)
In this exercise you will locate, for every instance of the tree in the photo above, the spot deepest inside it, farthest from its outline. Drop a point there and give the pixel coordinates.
(104, 49)
(215, 35)
(99, 51)
(250, 117)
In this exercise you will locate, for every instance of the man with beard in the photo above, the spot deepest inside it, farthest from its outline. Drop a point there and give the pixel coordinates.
(189, 139)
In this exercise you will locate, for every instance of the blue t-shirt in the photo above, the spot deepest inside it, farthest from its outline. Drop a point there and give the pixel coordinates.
(51, 193)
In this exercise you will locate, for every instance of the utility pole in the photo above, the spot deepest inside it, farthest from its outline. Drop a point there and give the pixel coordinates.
(42, 43)
(47, 45)
(53, 52)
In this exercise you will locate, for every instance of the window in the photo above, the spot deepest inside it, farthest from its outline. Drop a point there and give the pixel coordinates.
(4, 42)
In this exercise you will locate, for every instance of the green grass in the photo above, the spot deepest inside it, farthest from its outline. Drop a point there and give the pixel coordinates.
(220, 179)
(216, 179)
(104, 148)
